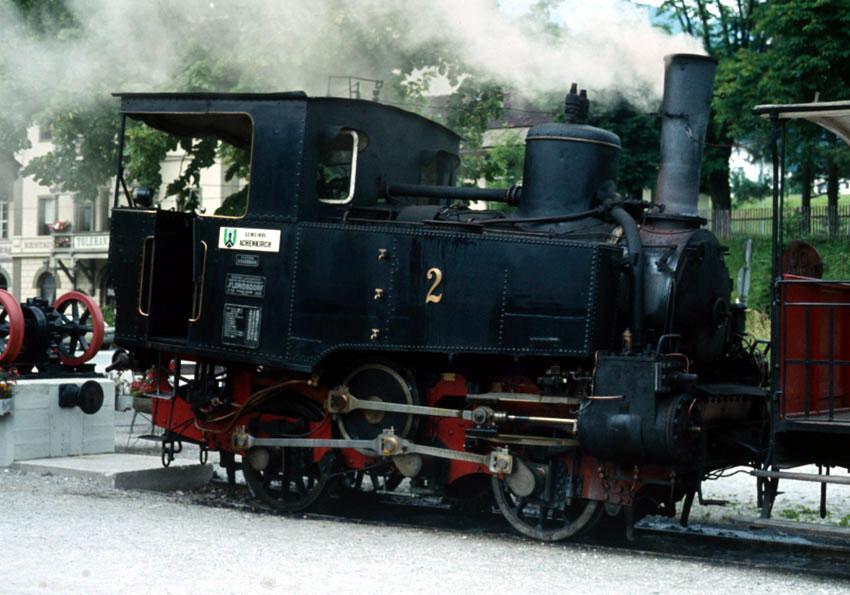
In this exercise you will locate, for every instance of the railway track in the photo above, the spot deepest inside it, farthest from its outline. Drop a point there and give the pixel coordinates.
(737, 545)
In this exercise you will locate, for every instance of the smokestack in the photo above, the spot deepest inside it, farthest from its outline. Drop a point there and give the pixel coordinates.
(688, 84)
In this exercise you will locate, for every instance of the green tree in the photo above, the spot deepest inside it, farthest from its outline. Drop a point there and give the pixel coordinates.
(802, 55)
(502, 163)
(640, 136)
(470, 109)
(83, 158)
(24, 21)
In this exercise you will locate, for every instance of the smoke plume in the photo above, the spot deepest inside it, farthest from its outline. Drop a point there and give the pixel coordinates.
(272, 45)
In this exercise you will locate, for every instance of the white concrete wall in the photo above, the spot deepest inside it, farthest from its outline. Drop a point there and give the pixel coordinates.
(39, 428)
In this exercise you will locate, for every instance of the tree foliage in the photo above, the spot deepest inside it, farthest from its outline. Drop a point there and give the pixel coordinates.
(802, 56)
(84, 155)
(639, 134)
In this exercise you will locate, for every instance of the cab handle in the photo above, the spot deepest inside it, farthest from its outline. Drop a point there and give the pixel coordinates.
(198, 293)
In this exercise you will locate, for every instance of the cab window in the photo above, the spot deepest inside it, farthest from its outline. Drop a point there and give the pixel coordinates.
(336, 175)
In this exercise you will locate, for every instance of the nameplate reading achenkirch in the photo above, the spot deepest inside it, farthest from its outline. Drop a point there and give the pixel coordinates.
(249, 238)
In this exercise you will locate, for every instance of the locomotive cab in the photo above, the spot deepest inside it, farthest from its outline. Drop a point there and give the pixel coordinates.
(307, 160)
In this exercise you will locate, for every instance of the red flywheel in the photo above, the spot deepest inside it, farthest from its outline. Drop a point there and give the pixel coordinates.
(11, 327)
(82, 328)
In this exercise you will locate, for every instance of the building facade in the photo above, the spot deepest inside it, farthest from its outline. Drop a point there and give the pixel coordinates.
(51, 243)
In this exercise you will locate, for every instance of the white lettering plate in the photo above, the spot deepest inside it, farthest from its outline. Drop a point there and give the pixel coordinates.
(249, 238)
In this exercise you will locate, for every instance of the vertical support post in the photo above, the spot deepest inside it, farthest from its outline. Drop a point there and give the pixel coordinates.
(119, 169)
(776, 297)
(686, 508)
(823, 493)
(783, 128)
(629, 518)
(807, 370)
(771, 487)
(831, 361)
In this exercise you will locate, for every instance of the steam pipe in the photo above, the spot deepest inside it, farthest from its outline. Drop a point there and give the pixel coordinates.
(510, 195)
(635, 247)
(688, 85)
(595, 212)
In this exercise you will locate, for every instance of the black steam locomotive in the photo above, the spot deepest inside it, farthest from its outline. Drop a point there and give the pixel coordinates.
(358, 327)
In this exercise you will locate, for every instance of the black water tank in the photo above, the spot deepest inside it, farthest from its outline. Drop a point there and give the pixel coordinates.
(566, 166)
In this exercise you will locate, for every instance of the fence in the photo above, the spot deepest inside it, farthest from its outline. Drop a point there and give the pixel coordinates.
(758, 221)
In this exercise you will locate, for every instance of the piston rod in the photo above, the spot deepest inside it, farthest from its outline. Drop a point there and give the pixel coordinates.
(499, 461)
(341, 401)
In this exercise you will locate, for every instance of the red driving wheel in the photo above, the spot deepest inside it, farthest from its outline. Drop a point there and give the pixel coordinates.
(11, 327)
(82, 328)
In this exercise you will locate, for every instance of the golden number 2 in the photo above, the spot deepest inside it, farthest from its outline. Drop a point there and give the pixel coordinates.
(437, 275)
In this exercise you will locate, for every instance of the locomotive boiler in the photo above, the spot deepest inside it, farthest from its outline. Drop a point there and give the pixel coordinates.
(356, 327)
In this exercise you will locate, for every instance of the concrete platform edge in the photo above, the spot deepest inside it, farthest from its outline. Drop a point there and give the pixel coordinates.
(161, 479)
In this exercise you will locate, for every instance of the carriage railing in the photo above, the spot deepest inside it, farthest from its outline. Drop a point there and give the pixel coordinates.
(814, 350)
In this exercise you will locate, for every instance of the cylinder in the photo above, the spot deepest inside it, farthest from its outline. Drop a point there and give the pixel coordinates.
(688, 86)
(566, 167)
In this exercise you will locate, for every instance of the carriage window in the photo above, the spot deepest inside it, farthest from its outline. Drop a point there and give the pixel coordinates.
(337, 173)
(189, 162)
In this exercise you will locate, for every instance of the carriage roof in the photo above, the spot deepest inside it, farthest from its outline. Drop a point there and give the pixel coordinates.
(831, 115)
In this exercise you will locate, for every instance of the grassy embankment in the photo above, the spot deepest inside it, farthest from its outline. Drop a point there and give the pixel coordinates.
(836, 259)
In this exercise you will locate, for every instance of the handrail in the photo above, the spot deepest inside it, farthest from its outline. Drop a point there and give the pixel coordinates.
(145, 258)
(196, 311)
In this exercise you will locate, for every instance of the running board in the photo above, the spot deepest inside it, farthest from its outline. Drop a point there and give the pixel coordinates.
(798, 527)
(801, 476)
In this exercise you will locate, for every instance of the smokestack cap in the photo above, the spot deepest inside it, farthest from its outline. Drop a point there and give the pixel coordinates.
(682, 57)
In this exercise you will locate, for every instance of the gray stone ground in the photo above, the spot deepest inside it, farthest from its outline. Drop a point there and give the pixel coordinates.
(70, 536)
(797, 500)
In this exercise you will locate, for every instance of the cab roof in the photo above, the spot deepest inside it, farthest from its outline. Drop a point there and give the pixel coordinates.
(168, 111)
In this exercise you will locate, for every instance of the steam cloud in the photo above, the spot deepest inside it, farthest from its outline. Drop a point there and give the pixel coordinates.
(271, 45)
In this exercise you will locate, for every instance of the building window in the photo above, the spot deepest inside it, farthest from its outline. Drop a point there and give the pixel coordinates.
(45, 134)
(84, 217)
(4, 221)
(4, 282)
(47, 214)
(107, 293)
(47, 287)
